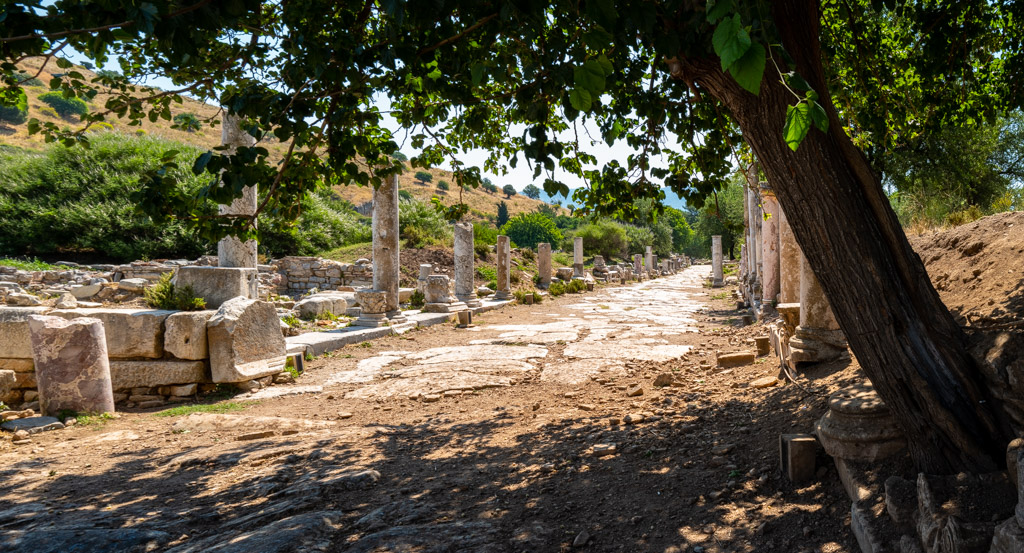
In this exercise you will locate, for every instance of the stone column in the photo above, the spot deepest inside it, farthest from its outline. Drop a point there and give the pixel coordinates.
(464, 257)
(638, 266)
(385, 246)
(770, 248)
(72, 370)
(232, 252)
(654, 264)
(577, 257)
(372, 304)
(716, 261)
(544, 264)
(504, 291)
(818, 337)
(649, 259)
(789, 263)
(426, 269)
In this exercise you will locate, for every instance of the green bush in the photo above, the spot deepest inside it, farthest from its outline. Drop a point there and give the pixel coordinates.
(483, 238)
(187, 122)
(529, 229)
(443, 185)
(576, 286)
(557, 288)
(421, 225)
(326, 222)
(638, 238)
(488, 186)
(417, 300)
(424, 177)
(16, 114)
(26, 79)
(165, 295)
(604, 237)
(65, 107)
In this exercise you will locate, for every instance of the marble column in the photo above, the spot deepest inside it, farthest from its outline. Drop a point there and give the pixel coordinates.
(717, 278)
(465, 291)
(232, 252)
(818, 337)
(72, 369)
(385, 246)
(544, 264)
(789, 263)
(577, 257)
(638, 266)
(504, 252)
(426, 269)
(770, 248)
(649, 259)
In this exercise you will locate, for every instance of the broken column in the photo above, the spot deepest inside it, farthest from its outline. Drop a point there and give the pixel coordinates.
(372, 307)
(789, 263)
(818, 337)
(577, 257)
(464, 258)
(385, 246)
(649, 259)
(426, 269)
(544, 264)
(504, 251)
(438, 297)
(232, 252)
(72, 369)
(717, 278)
(769, 248)
(638, 266)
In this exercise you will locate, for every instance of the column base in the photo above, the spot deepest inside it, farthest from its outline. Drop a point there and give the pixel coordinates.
(453, 307)
(371, 320)
(396, 316)
(502, 295)
(471, 300)
(816, 345)
(577, 270)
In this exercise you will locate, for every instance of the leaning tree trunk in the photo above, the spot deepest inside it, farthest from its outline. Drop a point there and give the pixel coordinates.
(905, 339)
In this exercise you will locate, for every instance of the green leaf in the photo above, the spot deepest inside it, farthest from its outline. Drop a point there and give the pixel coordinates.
(580, 99)
(819, 117)
(797, 82)
(200, 163)
(731, 41)
(589, 76)
(798, 122)
(477, 73)
(63, 63)
(606, 65)
(718, 10)
(749, 69)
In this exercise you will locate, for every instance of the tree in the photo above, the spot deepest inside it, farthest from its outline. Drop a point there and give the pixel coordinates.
(509, 191)
(531, 191)
(489, 186)
(424, 177)
(460, 74)
(529, 229)
(502, 215)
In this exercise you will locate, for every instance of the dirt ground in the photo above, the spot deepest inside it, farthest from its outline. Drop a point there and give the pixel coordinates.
(533, 457)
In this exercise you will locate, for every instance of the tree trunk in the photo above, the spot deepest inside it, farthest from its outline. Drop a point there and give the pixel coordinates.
(905, 339)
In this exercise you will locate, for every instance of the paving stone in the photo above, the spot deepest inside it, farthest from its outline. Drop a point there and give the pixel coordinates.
(32, 425)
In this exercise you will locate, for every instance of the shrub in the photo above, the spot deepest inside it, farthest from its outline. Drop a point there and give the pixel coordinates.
(65, 107)
(502, 214)
(417, 299)
(400, 156)
(606, 238)
(483, 238)
(530, 229)
(424, 177)
(16, 114)
(528, 255)
(165, 295)
(404, 195)
(508, 190)
(576, 286)
(26, 79)
(488, 273)
(488, 186)
(187, 122)
(443, 185)
(325, 222)
(638, 238)
(557, 288)
(421, 225)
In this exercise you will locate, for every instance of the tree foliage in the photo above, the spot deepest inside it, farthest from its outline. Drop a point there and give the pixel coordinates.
(529, 229)
(509, 191)
(502, 214)
(531, 191)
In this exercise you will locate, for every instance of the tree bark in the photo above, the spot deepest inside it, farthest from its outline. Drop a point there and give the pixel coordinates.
(902, 334)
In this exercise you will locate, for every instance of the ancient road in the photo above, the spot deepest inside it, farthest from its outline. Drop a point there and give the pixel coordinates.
(540, 429)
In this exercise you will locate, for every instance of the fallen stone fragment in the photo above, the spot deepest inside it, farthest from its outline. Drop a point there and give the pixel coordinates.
(255, 435)
(763, 344)
(633, 418)
(581, 539)
(766, 382)
(586, 407)
(33, 425)
(603, 450)
(431, 398)
(634, 391)
(735, 359)
(664, 379)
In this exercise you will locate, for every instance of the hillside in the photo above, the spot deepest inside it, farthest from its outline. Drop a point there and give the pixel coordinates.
(483, 206)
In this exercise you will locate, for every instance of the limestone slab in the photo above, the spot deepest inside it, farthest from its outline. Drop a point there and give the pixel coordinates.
(14, 341)
(129, 332)
(245, 341)
(185, 334)
(625, 350)
(217, 285)
(157, 372)
(470, 353)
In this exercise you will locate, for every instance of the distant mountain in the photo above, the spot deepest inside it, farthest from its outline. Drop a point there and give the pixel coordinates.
(671, 199)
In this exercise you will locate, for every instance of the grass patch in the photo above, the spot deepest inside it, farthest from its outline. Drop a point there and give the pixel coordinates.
(28, 264)
(722, 296)
(561, 259)
(202, 408)
(352, 252)
(94, 420)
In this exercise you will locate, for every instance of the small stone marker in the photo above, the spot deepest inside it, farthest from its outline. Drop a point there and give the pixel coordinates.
(72, 369)
(735, 359)
(634, 391)
(634, 418)
(763, 344)
(797, 456)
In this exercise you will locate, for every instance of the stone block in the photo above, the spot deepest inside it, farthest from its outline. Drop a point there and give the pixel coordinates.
(86, 292)
(17, 365)
(14, 341)
(218, 284)
(735, 359)
(763, 345)
(6, 382)
(797, 454)
(25, 381)
(185, 334)
(245, 341)
(125, 375)
(130, 333)
(858, 426)
(135, 285)
(71, 364)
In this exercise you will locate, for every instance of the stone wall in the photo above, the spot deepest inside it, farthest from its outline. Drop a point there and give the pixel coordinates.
(299, 274)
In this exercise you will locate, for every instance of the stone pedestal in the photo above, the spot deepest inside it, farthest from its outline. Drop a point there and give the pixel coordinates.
(372, 305)
(385, 246)
(638, 265)
(232, 252)
(770, 249)
(504, 291)
(789, 263)
(426, 269)
(72, 369)
(464, 258)
(245, 341)
(544, 264)
(859, 427)
(577, 257)
(818, 337)
(438, 297)
(217, 285)
(717, 278)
